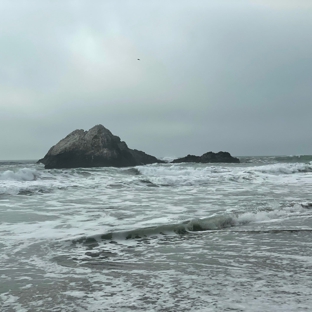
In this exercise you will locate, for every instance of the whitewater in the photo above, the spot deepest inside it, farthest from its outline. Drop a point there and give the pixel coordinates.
(163, 237)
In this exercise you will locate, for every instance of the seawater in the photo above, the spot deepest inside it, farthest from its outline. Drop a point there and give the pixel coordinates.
(165, 237)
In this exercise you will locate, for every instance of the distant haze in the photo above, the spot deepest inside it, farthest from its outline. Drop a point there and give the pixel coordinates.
(215, 75)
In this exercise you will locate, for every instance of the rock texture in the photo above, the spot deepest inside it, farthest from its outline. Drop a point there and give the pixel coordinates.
(97, 147)
(210, 157)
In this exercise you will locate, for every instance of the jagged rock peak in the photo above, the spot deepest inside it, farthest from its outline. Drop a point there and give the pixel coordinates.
(97, 147)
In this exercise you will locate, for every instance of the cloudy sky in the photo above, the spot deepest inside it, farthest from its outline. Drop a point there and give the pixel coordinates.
(213, 75)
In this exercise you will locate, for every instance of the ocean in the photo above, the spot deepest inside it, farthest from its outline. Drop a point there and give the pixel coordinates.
(163, 237)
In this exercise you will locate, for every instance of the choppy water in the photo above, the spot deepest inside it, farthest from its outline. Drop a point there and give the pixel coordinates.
(183, 237)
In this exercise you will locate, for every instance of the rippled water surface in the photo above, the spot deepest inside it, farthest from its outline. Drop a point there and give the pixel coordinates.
(182, 237)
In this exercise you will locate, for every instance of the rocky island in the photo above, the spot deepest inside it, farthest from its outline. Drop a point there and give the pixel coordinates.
(210, 157)
(98, 147)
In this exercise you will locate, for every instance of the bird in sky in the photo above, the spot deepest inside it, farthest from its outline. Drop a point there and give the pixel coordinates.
(138, 59)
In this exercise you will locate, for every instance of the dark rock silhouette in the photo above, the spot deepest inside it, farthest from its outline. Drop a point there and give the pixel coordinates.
(210, 157)
(97, 147)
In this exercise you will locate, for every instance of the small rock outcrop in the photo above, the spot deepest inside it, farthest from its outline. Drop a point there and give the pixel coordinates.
(210, 157)
(97, 147)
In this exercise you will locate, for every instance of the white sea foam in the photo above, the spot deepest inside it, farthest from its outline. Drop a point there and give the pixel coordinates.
(169, 175)
(10, 301)
(208, 174)
(233, 254)
(284, 168)
(24, 174)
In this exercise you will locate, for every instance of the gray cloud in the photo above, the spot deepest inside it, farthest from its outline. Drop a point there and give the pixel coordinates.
(211, 76)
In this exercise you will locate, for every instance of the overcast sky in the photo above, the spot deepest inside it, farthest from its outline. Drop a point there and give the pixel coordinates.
(213, 75)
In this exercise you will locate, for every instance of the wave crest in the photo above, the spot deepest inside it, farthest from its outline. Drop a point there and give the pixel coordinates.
(24, 174)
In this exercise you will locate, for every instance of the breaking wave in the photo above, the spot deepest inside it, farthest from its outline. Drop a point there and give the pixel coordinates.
(276, 159)
(24, 174)
(285, 168)
(213, 223)
(194, 225)
(207, 174)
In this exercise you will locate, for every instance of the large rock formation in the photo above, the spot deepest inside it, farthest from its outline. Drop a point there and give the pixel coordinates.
(97, 147)
(210, 157)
